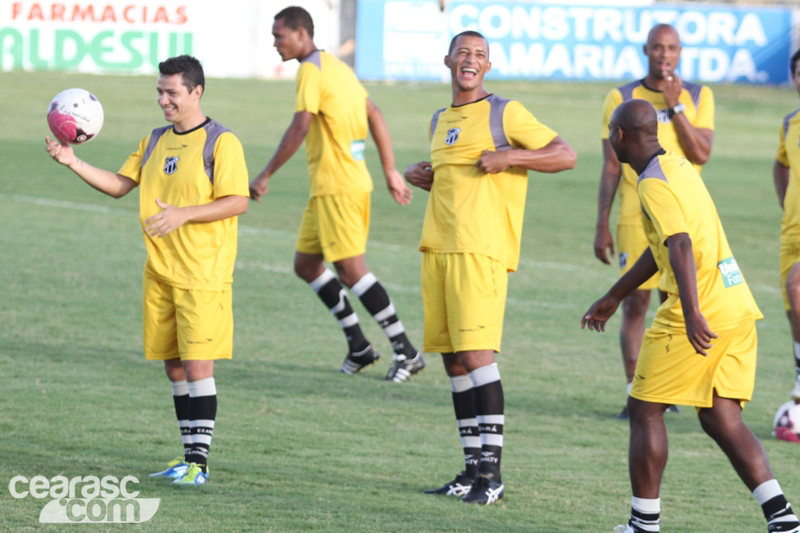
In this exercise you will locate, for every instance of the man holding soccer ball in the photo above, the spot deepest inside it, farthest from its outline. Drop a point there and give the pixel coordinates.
(193, 185)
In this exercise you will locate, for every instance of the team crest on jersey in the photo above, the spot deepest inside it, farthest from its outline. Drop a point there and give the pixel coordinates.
(663, 116)
(452, 136)
(171, 164)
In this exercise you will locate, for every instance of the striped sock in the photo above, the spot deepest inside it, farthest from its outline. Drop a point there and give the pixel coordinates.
(489, 406)
(180, 397)
(333, 295)
(777, 510)
(464, 405)
(377, 301)
(202, 415)
(645, 515)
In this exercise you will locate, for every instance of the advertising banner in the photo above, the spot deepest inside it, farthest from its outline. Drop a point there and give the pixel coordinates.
(231, 38)
(407, 40)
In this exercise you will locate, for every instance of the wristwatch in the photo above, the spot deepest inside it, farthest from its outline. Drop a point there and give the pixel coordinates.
(679, 108)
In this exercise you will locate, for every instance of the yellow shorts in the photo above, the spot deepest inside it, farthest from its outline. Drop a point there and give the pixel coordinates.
(669, 371)
(335, 226)
(190, 324)
(790, 254)
(631, 244)
(464, 298)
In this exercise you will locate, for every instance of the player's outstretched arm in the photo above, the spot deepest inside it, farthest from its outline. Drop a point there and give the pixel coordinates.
(681, 258)
(555, 157)
(780, 176)
(171, 217)
(110, 183)
(609, 181)
(383, 141)
(420, 175)
(600, 311)
(290, 142)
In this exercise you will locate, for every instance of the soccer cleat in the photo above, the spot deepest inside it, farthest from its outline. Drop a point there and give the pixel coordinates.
(672, 409)
(622, 415)
(403, 368)
(356, 361)
(795, 394)
(175, 469)
(194, 476)
(484, 491)
(458, 487)
(623, 529)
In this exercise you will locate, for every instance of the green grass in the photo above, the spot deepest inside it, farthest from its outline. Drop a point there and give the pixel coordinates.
(299, 447)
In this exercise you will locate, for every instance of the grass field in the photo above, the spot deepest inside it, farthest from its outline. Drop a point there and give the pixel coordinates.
(298, 446)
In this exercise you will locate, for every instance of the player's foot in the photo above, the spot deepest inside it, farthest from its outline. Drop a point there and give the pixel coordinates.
(194, 476)
(403, 368)
(623, 529)
(458, 487)
(355, 361)
(175, 469)
(672, 409)
(796, 391)
(484, 491)
(622, 415)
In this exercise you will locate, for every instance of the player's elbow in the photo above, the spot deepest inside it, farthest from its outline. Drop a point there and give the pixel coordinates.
(567, 157)
(240, 205)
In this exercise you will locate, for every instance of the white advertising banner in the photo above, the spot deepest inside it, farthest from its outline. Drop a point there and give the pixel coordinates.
(231, 38)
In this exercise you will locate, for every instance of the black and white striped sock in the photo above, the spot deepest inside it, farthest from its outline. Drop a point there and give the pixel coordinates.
(645, 515)
(464, 405)
(489, 407)
(333, 295)
(180, 397)
(202, 416)
(377, 301)
(777, 510)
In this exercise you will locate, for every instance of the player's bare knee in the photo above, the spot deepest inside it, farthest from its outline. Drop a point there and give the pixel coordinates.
(174, 370)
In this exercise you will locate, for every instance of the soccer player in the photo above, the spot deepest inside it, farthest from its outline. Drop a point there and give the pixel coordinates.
(701, 348)
(333, 114)
(482, 147)
(193, 185)
(685, 127)
(786, 175)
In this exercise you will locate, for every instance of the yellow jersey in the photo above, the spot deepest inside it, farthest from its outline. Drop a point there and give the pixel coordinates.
(699, 103)
(336, 140)
(675, 200)
(789, 156)
(468, 210)
(185, 169)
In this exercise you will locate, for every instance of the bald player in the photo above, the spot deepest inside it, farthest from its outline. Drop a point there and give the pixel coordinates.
(685, 127)
(701, 348)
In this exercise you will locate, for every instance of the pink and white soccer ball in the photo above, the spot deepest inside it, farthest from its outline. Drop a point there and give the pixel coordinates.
(75, 116)
(787, 422)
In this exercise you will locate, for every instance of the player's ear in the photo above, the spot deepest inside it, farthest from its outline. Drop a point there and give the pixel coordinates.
(488, 66)
(447, 61)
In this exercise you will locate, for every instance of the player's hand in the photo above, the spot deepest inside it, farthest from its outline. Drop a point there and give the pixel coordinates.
(258, 187)
(599, 313)
(672, 87)
(398, 188)
(492, 162)
(169, 219)
(603, 242)
(699, 333)
(60, 151)
(420, 175)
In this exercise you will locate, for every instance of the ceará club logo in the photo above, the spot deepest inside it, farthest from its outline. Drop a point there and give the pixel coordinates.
(86, 500)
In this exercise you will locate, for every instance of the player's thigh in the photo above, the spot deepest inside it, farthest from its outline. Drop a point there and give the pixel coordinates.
(433, 276)
(476, 290)
(308, 234)
(790, 274)
(343, 225)
(631, 244)
(158, 318)
(205, 323)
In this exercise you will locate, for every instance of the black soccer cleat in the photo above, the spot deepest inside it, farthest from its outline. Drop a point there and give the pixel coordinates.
(484, 491)
(356, 361)
(458, 487)
(403, 368)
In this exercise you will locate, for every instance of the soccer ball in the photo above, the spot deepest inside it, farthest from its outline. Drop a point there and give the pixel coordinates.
(75, 116)
(787, 422)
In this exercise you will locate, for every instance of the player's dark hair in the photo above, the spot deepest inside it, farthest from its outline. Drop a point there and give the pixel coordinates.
(189, 67)
(468, 33)
(794, 60)
(296, 17)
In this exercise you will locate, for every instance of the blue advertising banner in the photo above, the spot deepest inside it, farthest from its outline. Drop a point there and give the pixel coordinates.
(407, 40)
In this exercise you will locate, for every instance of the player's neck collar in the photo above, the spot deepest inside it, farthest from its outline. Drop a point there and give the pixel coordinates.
(648, 87)
(176, 132)
(472, 102)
